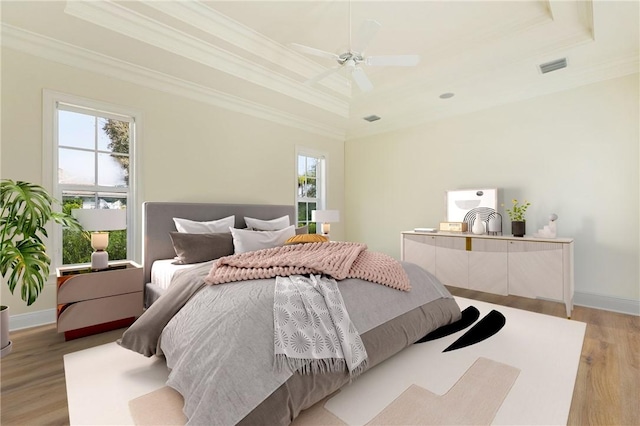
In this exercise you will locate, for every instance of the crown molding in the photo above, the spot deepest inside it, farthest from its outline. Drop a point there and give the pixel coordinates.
(132, 24)
(67, 54)
(212, 22)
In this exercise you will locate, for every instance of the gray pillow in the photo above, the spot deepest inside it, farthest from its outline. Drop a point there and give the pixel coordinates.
(302, 230)
(196, 248)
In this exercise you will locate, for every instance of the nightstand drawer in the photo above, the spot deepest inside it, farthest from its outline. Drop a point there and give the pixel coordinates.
(99, 311)
(94, 285)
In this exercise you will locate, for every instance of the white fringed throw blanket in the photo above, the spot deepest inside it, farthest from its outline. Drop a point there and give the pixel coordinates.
(339, 260)
(312, 329)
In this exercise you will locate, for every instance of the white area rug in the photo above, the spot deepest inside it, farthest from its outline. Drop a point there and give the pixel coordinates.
(102, 380)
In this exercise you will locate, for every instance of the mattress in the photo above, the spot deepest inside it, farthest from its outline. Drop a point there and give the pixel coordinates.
(162, 272)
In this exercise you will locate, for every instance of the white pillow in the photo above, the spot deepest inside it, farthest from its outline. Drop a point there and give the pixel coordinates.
(267, 225)
(245, 240)
(211, 227)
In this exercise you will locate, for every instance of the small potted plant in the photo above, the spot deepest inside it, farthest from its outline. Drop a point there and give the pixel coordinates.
(25, 210)
(516, 214)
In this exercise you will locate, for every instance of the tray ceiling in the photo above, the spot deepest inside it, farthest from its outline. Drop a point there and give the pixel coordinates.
(237, 54)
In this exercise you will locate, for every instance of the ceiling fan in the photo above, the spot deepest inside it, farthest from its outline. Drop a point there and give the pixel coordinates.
(354, 57)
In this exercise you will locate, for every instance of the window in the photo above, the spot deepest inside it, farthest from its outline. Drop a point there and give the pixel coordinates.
(92, 147)
(310, 192)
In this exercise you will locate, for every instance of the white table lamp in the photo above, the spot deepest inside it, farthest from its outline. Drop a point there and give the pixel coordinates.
(326, 217)
(99, 222)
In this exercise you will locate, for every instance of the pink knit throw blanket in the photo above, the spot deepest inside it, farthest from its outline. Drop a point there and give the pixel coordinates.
(339, 260)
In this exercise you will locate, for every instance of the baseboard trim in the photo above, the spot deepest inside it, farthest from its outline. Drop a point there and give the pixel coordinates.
(32, 319)
(608, 303)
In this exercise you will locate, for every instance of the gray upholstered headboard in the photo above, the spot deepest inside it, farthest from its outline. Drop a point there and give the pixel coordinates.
(157, 222)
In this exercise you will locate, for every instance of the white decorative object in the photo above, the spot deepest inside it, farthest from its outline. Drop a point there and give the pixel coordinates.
(550, 230)
(459, 202)
(478, 225)
(494, 227)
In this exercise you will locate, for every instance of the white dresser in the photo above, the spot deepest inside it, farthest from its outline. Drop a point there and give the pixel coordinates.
(528, 267)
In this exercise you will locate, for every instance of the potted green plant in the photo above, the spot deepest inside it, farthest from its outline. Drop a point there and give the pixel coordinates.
(25, 210)
(516, 214)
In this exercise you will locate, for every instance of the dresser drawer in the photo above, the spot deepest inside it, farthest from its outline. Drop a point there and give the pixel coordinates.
(98, 311)
(79, 287)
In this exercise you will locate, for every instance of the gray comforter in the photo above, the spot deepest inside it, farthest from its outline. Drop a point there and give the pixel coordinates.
(218, 341)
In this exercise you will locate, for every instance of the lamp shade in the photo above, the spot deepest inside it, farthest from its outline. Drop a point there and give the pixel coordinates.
(101, 219)
(325, 216)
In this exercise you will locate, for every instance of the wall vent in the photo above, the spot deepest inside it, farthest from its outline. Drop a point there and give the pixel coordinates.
(553, 65)
(371, 118)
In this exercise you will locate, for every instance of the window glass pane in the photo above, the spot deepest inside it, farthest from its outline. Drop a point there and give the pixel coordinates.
(76, 167)
(76, 246)
(302, 214)
(112, 201)
(113, 170)
(76, 130)
(103, 137)
(113, 135)
(311, 188)
(117, 245)
(77, 200)
(312, 164)
(310, 208)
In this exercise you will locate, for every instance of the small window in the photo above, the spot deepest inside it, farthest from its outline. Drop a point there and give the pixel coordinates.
(310, 192)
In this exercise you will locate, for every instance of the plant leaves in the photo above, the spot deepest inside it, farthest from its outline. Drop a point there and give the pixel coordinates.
(28, 263)
(25, 210)
(26, 205)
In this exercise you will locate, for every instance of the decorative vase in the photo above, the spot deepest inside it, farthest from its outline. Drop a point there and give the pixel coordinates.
(494, 227)
(478, 225)
(5, 343)
(518, 228)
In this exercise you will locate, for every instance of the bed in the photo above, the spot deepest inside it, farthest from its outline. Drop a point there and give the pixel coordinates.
(218, 340)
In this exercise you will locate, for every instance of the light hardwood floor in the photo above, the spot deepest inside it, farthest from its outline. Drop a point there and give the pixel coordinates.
(607, 390)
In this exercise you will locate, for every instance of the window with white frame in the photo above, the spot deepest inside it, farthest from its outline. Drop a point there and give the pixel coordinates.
(311, 186)
(93, 168)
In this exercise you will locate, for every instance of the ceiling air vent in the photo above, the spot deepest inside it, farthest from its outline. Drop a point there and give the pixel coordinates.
(553, 65)
(371, 118)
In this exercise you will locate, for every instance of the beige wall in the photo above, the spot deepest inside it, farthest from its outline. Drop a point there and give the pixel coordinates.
(191, 151)
(574, 153)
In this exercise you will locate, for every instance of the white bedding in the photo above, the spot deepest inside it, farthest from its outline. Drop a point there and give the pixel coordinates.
(162, 272)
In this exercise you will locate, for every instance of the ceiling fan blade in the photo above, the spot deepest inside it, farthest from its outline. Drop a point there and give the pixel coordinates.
(361, 79)
(322, 75)
(366, 33)
(313, 51)
(396, 60)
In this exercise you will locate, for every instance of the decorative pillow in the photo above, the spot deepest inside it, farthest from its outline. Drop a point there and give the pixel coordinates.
(302, 230)
(245, 240)
(307, 238)
(211, 227)
(196, 248)
(267, 225)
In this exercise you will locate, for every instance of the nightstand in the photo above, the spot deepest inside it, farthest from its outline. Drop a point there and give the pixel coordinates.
(91, 302)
